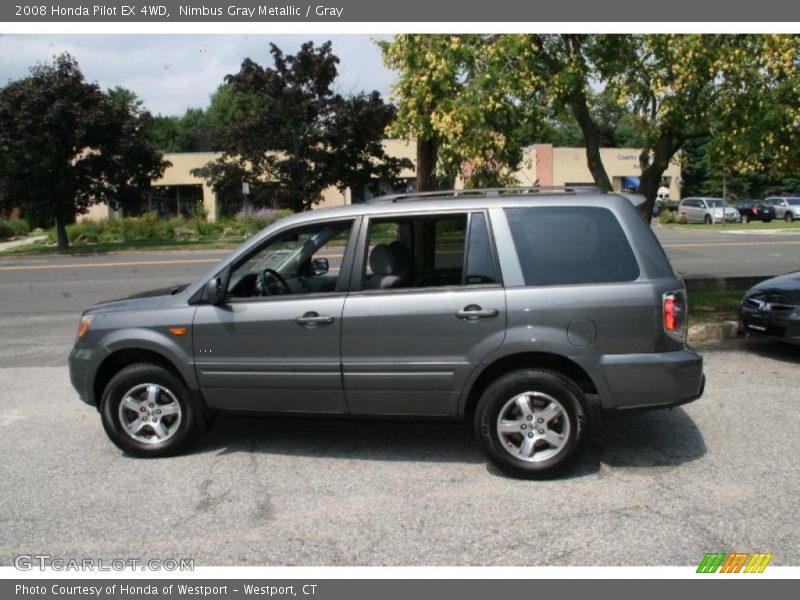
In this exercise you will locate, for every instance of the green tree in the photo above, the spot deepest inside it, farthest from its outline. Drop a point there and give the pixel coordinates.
(449, 103)
(69, 145)
(290, 136)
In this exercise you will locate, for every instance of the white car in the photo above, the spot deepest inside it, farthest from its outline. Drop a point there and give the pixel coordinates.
(704, 210)
(786, 208)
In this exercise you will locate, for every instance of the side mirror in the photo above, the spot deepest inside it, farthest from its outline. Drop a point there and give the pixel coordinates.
(215, 290)
(320, 266)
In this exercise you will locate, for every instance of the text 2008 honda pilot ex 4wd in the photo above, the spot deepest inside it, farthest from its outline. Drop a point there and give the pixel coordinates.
(532, 310)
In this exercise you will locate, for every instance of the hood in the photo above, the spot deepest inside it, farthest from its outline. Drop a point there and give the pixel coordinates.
(781, 290)
(147, 299)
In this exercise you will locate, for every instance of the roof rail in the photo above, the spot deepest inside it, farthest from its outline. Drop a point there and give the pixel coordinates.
(484, 193)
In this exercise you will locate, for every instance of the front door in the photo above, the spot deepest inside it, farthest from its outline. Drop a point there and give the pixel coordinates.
(424, 315)
(274, 343)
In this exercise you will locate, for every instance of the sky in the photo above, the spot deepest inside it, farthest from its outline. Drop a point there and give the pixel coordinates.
(174, 72)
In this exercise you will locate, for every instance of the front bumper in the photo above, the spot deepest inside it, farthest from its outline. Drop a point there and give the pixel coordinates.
(82, 366)
(781, 327)
(652, 380)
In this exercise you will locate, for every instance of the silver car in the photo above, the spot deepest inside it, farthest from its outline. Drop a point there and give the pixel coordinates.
(706, 210)
(786, 208)
(529, 312)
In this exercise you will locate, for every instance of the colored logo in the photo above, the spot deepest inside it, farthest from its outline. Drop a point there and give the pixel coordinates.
(735, 562)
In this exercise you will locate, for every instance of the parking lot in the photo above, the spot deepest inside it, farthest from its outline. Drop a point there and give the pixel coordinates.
(658, 488)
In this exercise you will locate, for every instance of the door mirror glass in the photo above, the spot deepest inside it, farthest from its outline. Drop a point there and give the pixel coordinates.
(319, 266)
(215, 290)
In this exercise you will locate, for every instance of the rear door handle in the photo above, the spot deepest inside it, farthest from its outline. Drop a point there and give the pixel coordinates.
(312, 318)
(473, 312)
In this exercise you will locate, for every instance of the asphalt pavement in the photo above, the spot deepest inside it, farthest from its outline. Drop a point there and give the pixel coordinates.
(663, 487)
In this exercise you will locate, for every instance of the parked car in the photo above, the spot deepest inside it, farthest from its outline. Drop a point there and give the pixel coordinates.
(703, 210)
(772, 308)
(732, 215)
(530, 312)
(755, 210)
(787, 208)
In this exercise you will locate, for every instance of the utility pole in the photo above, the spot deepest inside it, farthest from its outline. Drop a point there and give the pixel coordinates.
(245, 194)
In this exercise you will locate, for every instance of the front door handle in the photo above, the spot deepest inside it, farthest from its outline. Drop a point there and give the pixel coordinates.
(312, 318)
(473, 312)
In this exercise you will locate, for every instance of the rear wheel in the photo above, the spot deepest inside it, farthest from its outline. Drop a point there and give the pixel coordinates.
(146, 411)
(767, 220)
(532, 423)
(745, 218)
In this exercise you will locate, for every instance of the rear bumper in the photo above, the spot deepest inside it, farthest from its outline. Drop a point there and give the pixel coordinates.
(652, 380)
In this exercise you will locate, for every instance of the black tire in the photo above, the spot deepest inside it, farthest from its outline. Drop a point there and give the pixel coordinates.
(498, 396)
(745, 218)
(171, 390)
(707, 220)
(788, 217)
(767, 220)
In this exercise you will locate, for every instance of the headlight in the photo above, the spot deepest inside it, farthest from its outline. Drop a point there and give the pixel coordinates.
(86, 321)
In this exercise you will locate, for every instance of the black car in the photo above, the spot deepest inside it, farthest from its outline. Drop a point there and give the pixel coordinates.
(772, 308)
(755, 210)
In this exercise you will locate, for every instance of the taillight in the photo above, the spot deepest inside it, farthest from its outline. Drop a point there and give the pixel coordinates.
(675, 313)
(755, 210)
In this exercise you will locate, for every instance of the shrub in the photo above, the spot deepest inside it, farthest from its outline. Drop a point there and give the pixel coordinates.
(681, 220)
(6, 231)
(149, 227)
(667, 216)
(20, 227)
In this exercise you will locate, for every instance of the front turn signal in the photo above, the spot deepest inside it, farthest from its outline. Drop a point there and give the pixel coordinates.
(86, 321)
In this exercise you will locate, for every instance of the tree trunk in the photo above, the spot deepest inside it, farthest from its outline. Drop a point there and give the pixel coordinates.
(61, 234)
(652, 172)
(427, 153)
(591, 139)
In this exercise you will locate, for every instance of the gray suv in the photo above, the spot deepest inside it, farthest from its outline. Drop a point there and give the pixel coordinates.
(532, 312)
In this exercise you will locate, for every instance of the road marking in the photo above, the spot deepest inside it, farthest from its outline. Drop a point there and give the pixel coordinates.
(130, 263)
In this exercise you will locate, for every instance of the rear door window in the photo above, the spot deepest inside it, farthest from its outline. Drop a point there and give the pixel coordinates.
(571, 245)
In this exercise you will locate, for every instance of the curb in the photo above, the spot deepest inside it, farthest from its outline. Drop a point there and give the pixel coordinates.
(713, 332)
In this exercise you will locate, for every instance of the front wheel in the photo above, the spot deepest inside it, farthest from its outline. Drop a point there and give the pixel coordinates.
(532, 423)
(707, 220)
(745, 218)
(788, 217)
(146, 411)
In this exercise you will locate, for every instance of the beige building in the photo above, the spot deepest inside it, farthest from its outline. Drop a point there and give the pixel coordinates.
(180, 192)
(546, 165)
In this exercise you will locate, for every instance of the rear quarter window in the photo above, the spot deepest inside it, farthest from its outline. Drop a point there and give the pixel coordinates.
(571, 245)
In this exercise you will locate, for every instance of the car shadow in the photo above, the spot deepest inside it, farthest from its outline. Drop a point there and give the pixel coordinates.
(761, 346)
(662, 438)
(346, 439)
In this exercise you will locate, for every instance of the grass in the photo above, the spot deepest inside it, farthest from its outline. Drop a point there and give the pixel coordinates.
(711, 306)
(793, 226)
(44, 248)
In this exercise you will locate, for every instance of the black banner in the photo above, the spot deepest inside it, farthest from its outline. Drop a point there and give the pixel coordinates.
(393, 589)
(439, 11)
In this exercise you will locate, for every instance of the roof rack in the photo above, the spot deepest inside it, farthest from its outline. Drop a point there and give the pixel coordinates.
(484, 193)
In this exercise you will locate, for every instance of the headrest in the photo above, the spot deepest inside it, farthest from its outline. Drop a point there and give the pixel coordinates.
(382, 260)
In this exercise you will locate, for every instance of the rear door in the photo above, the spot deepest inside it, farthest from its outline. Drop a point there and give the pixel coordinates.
(411, 339)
